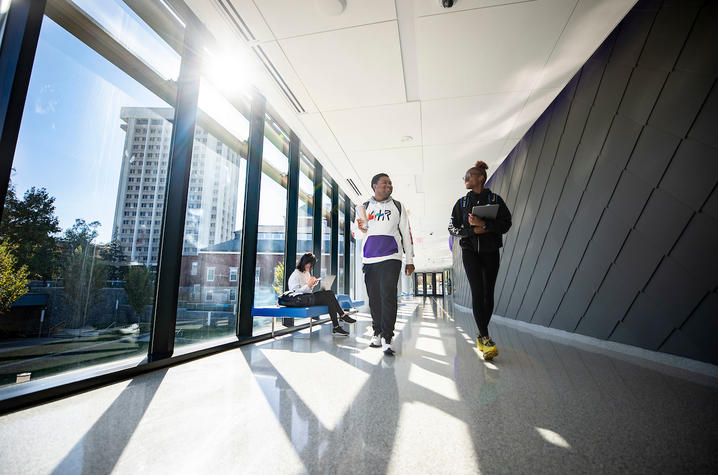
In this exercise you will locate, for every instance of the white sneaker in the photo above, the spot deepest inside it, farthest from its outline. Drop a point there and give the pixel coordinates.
(386, 347)
(375, 341)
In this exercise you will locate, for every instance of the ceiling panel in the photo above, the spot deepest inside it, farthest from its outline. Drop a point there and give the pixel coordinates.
(285, 69)
(303, 17)
(590, 23)
(392, 126)
(355, 67)
(434, 7)
(487, 50)
(390, 161)
(470, 119)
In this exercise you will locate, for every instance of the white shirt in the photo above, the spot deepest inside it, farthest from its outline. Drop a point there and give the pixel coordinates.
(299, 282)
(389, 234)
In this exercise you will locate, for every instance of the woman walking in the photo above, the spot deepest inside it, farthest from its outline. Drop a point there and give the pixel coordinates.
(300, 294)
(480, 242)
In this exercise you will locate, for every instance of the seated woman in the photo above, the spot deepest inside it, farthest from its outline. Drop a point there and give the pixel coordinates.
(300, 294)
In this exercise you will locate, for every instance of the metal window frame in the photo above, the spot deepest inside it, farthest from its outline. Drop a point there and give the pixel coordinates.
(250, 220)
(334, 247)
(169, 262)
(17, 56)
(317, 222)
(347, 243)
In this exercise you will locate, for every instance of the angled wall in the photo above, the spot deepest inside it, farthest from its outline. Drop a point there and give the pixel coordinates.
(613, 192)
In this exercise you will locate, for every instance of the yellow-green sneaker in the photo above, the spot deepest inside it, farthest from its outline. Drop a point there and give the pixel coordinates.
(489, 348)
(479, 344)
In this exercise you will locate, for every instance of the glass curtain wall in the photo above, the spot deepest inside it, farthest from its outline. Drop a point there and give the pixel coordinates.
(341, 265)
(419, 284)
(270, 266)
(352, 266)
(326, 228)
(305, 214)
(209, 275)
(82, 220)
(439, 283)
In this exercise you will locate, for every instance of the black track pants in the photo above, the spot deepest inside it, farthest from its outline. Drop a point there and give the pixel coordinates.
(382, 279)
(321, 297)
(481, 270)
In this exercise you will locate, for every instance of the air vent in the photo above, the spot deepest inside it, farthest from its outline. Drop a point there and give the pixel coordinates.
(354, 187)
(244, 31)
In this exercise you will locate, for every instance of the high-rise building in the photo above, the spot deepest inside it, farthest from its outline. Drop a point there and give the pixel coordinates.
(212, 198)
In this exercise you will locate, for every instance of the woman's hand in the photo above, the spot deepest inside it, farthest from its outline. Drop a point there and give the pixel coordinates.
(360, 225)
(480, 230)
(313, 281)
(476, 221)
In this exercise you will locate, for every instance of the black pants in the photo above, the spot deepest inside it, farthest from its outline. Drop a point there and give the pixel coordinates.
(321, 297)
(382, 279)
(481, 270)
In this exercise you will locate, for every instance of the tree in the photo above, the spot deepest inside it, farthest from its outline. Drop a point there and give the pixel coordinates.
(114, 257)
(31, 224)
(139, 288)
(278, 284)
(85, 277)
(13, 279)
(81, 234)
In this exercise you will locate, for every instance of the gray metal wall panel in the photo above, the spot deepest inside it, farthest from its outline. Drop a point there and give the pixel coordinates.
(614, 192)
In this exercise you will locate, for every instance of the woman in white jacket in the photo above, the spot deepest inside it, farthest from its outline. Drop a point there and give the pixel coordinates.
(300, 294)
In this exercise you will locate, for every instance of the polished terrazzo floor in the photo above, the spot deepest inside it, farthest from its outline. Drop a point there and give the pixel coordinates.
(333, 405)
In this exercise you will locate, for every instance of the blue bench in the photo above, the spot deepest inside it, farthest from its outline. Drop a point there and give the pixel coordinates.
(278, 311)
(346, 302)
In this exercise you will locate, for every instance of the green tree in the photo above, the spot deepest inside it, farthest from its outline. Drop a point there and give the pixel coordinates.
(13, 279)
(115, 258)
(139, 288)
(31, 225)
(81, 234)
(278, 284)
(85, 277)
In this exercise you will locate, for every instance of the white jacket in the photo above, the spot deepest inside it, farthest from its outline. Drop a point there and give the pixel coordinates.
(299, 282)
(389, 233)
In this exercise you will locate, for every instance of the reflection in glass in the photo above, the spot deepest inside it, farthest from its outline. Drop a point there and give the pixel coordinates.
(305, 218)
(128, 29)
(352, 270)
(209, 276)
(420, 284)
(340, 268)
(326, 228)
(270, 270)
(82, 214)
(439, 284)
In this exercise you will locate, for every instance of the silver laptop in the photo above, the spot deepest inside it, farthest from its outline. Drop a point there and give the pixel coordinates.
(327, 282)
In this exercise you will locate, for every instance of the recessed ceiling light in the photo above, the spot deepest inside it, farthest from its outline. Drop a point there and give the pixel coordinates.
(407, 138)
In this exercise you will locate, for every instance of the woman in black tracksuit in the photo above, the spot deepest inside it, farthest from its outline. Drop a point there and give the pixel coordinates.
(480, 242)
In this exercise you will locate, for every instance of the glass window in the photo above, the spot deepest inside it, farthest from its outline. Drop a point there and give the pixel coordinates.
(352, 267)
(272, 221)
(340, 267)
(194, 268)
(440, 284)
(213, 219)
(127, 28)
(326, 228)
(233, 273)
(86, 297)
(419, 284)
(305, 215)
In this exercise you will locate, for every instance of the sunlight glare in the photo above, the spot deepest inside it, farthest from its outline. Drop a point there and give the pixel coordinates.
(553, 438)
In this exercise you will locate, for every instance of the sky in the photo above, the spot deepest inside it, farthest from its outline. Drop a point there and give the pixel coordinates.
(70, 139)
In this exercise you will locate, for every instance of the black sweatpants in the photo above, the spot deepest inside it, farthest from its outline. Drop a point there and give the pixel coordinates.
(481, 270)
(321, 297)
(382, 279)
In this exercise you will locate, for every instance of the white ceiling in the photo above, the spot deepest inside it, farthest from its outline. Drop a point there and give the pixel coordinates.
(415, 90)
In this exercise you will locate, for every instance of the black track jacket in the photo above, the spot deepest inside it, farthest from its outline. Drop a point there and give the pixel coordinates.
(459, 223)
